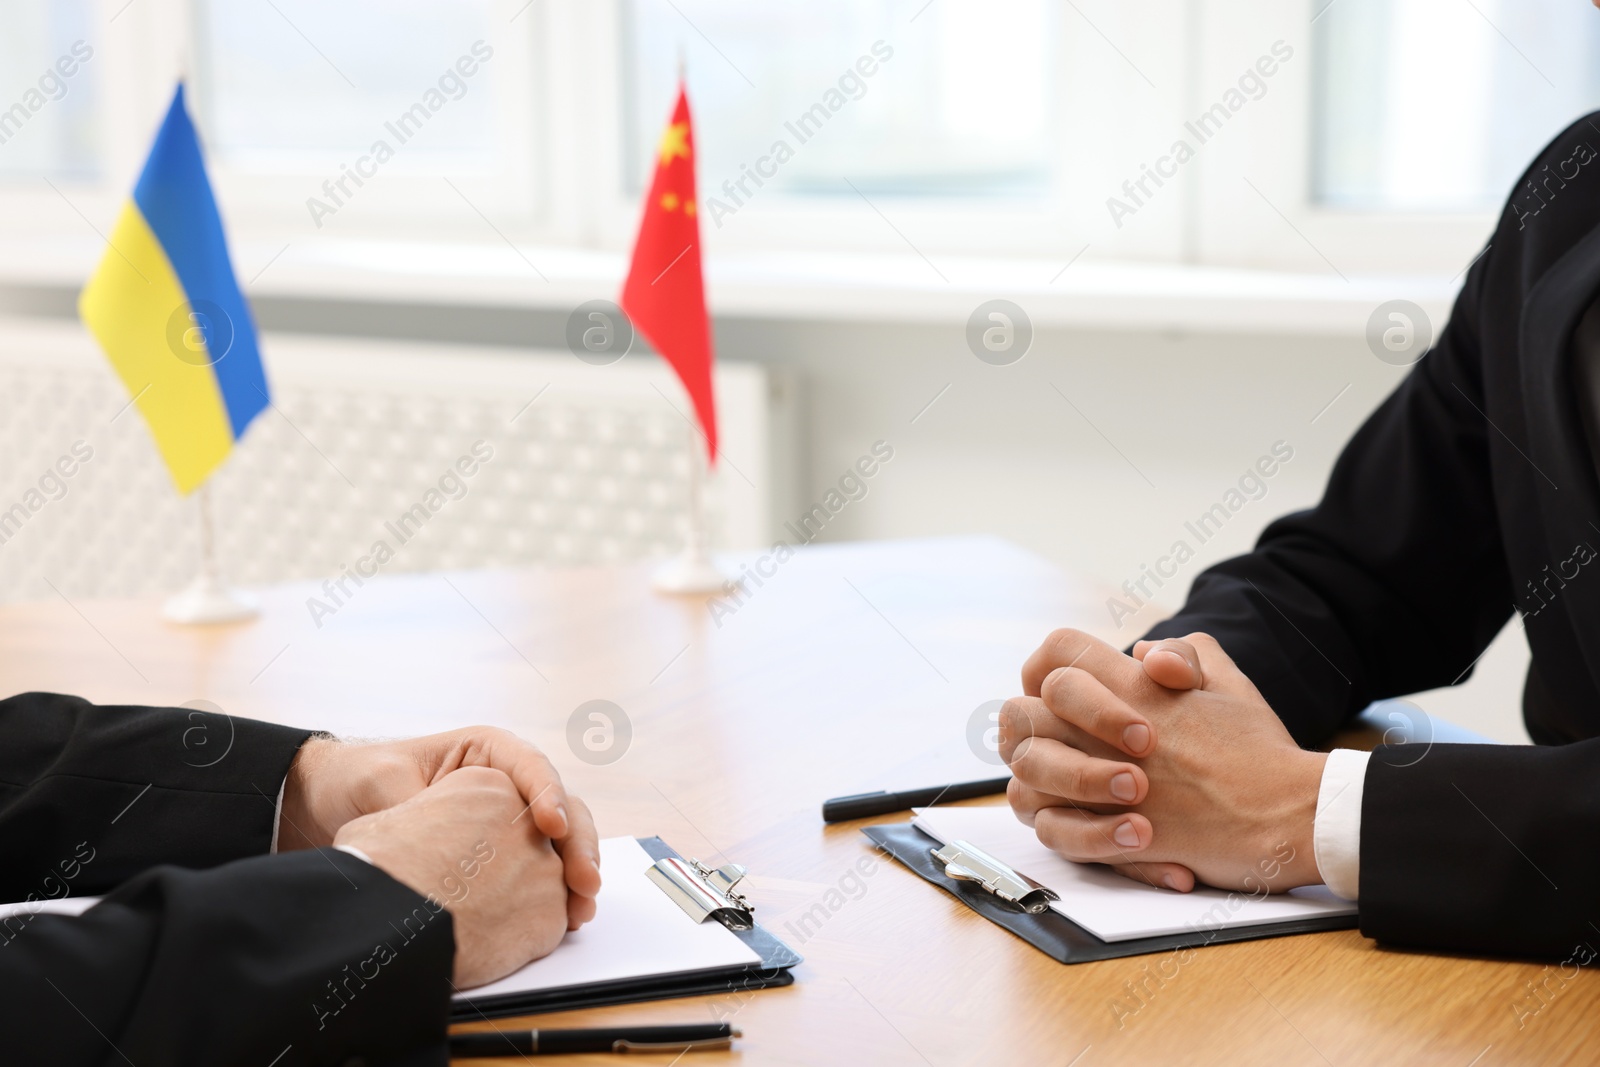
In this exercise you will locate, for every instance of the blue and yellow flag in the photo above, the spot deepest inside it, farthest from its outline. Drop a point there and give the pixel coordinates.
(165, 306)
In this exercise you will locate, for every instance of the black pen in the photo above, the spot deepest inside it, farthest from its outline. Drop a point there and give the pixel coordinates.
(673, 1038)
(865, 805)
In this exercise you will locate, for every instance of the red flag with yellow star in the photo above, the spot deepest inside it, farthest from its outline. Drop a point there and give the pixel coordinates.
(664, 295)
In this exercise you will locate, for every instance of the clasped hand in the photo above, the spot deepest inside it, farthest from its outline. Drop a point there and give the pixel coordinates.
(476, 818)
(1168, 765)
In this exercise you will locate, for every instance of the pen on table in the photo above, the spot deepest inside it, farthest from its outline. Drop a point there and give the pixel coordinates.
(671, 1038)
(864, 805)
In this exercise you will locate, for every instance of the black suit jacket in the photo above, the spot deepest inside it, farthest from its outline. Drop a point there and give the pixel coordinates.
(207, 950)
(1469, 494)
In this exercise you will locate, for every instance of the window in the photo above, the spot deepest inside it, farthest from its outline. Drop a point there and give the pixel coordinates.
(367, 117)
(299, 85)
(1438, 105)
(47, 91)
(1383, 141)
(953, 100)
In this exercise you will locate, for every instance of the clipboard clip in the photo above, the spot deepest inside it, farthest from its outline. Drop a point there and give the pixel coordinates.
(707, 1045)
(704, 892)
(965, 862)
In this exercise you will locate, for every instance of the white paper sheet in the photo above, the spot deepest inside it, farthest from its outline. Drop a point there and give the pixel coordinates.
(637, 932)
(1112, 907)
(58, 906)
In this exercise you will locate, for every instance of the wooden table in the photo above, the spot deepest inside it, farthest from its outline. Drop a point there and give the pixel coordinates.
(851, 668)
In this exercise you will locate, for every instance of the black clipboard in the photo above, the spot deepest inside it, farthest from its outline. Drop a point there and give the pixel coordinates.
(1053, 933)
(773, 970)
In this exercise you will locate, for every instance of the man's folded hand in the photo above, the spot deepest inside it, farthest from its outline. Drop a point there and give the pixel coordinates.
(466, 843)
(333, 782)
(1169, 770)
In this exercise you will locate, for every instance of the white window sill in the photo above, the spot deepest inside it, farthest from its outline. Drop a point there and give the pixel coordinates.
(801, 285)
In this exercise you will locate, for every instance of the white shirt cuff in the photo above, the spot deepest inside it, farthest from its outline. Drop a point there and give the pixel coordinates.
(357, 853)
(1336, 834)
(277, 816)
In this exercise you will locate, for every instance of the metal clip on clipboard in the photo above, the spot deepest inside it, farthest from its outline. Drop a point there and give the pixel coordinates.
(680, 1047)
(703, 892)
(966, 862)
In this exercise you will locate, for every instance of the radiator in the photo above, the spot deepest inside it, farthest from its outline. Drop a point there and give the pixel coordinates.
(588, 465)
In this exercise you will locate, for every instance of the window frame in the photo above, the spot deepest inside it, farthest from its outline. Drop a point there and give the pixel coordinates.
(565, 186)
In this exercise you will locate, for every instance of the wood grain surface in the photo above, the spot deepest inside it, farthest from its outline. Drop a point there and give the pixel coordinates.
(851, 668)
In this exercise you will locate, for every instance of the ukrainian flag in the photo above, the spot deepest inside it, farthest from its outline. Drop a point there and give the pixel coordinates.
(165, 306)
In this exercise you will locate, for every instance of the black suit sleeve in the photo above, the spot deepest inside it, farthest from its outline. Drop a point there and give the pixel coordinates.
(1396, 581)
(303, 958)
(207, 950)
(91, 795)
(1488, 848)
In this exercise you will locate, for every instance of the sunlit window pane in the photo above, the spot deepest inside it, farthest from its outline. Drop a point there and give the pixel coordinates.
(1438, 105)
(304, 85)
(48, 75)
(952, 101)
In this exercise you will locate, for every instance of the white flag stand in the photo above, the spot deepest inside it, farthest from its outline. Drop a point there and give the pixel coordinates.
(207, 600)
(692, 571)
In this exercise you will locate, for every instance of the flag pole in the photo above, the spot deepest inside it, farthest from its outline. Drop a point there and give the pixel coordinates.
(675, 319)
(207, 600)
(692, 571)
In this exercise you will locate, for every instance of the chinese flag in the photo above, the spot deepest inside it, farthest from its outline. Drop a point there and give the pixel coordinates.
(664, 295)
